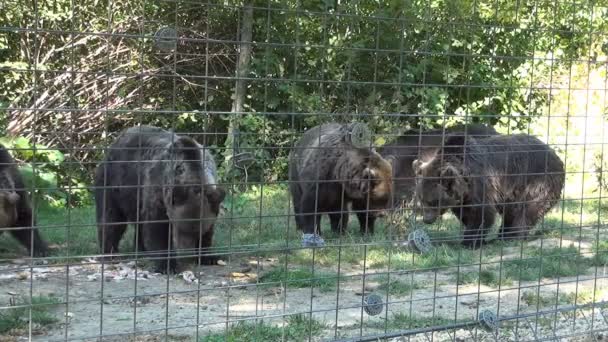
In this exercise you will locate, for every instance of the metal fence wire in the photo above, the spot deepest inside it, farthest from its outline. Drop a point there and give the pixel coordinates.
(287, 170)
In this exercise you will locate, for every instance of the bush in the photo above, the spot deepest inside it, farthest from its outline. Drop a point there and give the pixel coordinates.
(45, 174)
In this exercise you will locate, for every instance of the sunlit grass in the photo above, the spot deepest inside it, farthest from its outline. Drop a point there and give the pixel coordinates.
(296, 328)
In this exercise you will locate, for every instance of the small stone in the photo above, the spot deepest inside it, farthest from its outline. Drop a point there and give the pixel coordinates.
(221, 262)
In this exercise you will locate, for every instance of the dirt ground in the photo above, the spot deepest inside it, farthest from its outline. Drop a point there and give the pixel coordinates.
(158, 307)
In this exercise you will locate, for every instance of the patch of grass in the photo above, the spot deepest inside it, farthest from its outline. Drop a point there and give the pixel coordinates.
(19, 317)
(396, 287)
(71, 231)
(402, 321)
(297, 328)
(576, 212)
(531, 298)
(547, 263)
(328, 257)
(74, 231)
(583, 296)
(600, 256)
(489, 276)
(300, 278)
(440, 256)
(587, 296)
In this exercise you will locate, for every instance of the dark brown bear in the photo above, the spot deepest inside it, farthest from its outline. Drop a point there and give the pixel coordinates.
(164, 181)
(517, 176)
(327, 172)
(418, 144)
(15, 208)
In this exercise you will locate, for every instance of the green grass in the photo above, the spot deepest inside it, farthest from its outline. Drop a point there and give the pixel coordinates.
(402, 321)
(297, 328)
(600, 256)
(581, 297)
(489, 276)
(395, 287)
(263, 216)
(575, 213)
(547, 263)
(19, 317)
(300, 278)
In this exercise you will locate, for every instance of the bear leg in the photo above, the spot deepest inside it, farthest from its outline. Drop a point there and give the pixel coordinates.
(206, 242)
(366, 218)
(477, 221)
(156, 238)
(339, 222)
(29, 236)
(520, 219)
(110, 229)
(511, 222)
(310, 218)
(338, 217)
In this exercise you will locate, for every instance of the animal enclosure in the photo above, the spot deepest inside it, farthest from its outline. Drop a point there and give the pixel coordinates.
(303, 170)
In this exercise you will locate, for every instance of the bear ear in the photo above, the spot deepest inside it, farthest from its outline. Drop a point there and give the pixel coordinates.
(454, 180)
(186, 147)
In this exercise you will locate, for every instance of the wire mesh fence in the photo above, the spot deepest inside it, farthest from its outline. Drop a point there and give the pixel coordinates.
(291, 170)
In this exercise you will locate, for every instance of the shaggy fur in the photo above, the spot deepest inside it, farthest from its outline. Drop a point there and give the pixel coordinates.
(326, 173)
(166, 182)
(517, 176)
(15, 208)
(422, 145)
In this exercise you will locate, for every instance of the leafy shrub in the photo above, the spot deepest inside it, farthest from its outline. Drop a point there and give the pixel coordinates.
(45, 174)
(600, 164)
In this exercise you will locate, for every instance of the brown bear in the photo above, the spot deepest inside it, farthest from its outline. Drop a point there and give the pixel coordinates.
(163, 183)
(15, 208)
(421, 144)
(516, 176)
(327, 172)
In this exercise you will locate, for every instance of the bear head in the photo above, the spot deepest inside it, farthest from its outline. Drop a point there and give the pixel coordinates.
(369, 177)
(441, 181)
(192, 199)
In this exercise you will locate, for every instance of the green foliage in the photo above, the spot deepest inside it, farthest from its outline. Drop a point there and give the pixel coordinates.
(296, 328)
(18, 317)
(600, 164)
(396, 287)
(436, 61)
(401, 321)
(44, 172)
(546, 263)
(300, 278)
(488, 276)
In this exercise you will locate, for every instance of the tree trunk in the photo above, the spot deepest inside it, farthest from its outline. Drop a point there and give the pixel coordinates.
(240, 90)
